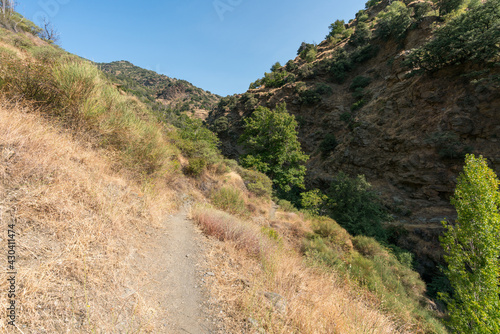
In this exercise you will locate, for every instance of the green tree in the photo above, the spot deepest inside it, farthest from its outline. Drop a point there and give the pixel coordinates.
(356, 207)
(472, 247)
(336, 28)
(394, 20)
(270, 139)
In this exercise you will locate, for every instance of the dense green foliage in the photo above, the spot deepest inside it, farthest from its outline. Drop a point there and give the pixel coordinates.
(472, 247)
(361, 36)
(270, 139)
(394, 21)
(356, 207)
(473, 36)
(328, 145)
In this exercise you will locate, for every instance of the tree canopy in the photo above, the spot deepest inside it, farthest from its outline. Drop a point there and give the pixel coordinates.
(472, 247)
(270, 139)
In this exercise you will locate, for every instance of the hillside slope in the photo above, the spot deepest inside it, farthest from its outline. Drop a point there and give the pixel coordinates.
(159, 91)
(91, 183)
(361, 110)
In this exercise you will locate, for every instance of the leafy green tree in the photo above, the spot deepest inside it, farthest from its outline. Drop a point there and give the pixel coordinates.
(472, 247)
(313, 201)
(270, 138)
(448, 6)
(361, 35)
(336, 28)
(276, 67)
(356, 207)
(394, 20)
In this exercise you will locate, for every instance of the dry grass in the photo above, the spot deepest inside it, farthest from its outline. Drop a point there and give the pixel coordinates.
(77, 221)
(316, 302)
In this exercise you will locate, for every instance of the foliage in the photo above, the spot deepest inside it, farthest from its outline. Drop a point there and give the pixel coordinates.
(472, 36)
(336, 29)
(448, 6)
(309, 97)
(361, 35)
(256, 182)
(371, 3)
(328, 145)
(364, 53)
(312, 201)
(229, 199)
(359, 82)
(394, 21)
(308, 51)
(356, 207)
(197, 141)
(270, 138)
(472, 247)
(196, 167)
(372, 266)
(341, 63)
(276, 67)
(324, 89)
(291, 66)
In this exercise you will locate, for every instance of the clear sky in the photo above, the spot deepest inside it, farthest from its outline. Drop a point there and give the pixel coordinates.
(218, 45)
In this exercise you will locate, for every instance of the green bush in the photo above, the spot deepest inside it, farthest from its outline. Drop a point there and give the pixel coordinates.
(361, 36)
(371, 3)
(358, 105)
(364, 53)
(341, 64)
(470, 37)
(286, 206)
(394, 21)
(196, 167)
(291, 66)
(328, 145)
(337, 29)
(323, 89)
(276, 67)
(359, 82)
(309, 97)
(256, 182)
(312, 201)
(356, 207)
(229, 200)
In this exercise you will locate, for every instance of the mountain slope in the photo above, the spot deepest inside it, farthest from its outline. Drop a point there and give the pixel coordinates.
(159, 91)
(361, 110)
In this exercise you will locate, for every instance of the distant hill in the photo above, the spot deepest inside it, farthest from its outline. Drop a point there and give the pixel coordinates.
(160, 91)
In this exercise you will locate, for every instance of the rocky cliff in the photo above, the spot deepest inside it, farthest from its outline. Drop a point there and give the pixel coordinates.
(408, 133)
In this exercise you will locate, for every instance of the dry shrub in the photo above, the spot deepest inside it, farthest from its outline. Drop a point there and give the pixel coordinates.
(226, 227)
(76, 223)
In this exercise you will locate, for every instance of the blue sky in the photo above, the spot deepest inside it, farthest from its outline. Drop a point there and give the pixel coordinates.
(218, 45)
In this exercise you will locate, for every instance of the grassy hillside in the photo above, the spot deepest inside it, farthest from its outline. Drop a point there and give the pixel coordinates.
(159, 92)
(88, 175)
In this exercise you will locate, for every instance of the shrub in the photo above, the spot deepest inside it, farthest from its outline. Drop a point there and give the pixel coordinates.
(312, 201)
(291, 66)
(341, 63)
(336, 29)
(309, 97)
(229, 199)
(355, 207)
(371, 3)
(256, 182)
(286, 206)
(471, 37)
(359, 82)
(306, 71)
(364, 53)
(361, 35)
(358, 105)
(221, 125)
(394, 21)
(276, 67)
(328, 145)
(196, 167)
(323, 89)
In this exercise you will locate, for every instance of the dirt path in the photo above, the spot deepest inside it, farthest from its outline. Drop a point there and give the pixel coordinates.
(176, 268)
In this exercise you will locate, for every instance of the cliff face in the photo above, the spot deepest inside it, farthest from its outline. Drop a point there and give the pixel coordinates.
(408, 134)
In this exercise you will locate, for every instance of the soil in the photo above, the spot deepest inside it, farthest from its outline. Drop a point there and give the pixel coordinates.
(175, 266)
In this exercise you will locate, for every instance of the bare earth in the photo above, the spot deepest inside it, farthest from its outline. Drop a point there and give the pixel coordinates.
(175, 268)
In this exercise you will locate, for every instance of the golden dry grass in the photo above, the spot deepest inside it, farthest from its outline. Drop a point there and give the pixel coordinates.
(317, 302)
(76, 220)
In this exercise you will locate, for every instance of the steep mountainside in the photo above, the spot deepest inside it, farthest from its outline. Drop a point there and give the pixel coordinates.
(160, 91)
(362, 111)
